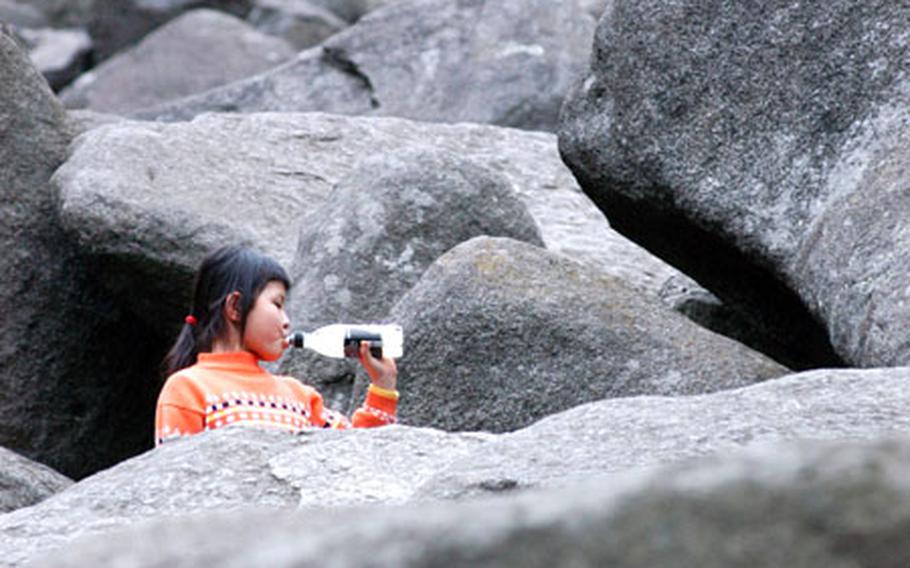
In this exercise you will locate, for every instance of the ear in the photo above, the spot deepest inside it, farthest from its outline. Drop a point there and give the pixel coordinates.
(232, 307)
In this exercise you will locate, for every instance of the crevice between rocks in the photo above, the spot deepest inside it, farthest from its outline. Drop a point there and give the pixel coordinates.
(338, 59)
(761, 311)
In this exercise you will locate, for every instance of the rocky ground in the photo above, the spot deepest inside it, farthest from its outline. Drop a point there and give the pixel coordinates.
(649, 259)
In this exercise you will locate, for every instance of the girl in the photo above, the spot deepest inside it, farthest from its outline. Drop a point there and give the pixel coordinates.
(238, 320)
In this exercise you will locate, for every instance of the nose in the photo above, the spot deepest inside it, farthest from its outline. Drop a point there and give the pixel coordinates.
(285, 322)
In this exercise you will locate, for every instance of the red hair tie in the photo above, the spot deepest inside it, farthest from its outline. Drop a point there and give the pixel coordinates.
(190, 320)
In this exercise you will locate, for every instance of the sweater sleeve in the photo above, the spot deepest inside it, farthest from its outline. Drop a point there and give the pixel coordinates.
(179, 411)
(378, 409)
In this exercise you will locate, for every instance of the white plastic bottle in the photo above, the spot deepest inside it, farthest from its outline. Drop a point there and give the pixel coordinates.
(341, 340)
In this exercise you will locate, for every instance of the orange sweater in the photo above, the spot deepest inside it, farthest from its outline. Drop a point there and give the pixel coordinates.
(224, 389)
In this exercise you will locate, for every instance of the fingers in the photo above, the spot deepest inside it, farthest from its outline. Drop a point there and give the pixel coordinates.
(383, 370)
(365, 354)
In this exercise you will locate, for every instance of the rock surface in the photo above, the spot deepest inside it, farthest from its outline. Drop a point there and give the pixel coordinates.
(300, 23)
(508, 62)
(117, 24)
(85, 120)
(384, 466)
(378, 230)
(774, 132)
(502, 333)
(812, 505)
(320, 470)
(60, 55)
(231, 469)
(353, 10)
(24, 482)
(70, 397)
(610, 436)
(200, 50)
(21, 15)
(595, 7)
(149, 200)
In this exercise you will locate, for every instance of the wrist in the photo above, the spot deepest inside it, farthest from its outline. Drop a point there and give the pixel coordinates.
(385, 383)
(388, 393)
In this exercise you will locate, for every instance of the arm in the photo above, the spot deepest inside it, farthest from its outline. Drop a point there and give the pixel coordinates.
(173, 421)
(179, 411)
(381, 402)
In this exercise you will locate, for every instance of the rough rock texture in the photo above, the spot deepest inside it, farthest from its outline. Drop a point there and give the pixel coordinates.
(773, 135)
(118, 24)
(24, 482)
(619, 434)
(501, 333)
(60, 55)
(300, 23)
(234, 468)
(72, 394)
(379, 466)
(200, 50)
(811, 505)
(148, 200)
(380, 228)
(504, 62)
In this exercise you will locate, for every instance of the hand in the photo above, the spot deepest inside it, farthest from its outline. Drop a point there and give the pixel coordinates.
(383, 372)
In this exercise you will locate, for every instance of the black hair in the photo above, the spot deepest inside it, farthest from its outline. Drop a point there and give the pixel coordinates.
(227, 270)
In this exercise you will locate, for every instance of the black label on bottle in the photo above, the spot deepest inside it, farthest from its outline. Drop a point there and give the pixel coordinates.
(352, 341)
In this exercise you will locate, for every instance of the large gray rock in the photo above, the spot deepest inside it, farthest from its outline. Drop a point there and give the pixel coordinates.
(353, 10)
(810, 505)
(236, 468)
(74, 388)
(321, 470)
(768, 135)
(300, 23)
(148, 200)
(60, 54)
(501, 333)
(377, 466)
(595, 7)
(21, 15)
(505, 62)
(117, 24)
(200, 50)
(85, 120)
(619, 434)
(24, 482)
(381, 227)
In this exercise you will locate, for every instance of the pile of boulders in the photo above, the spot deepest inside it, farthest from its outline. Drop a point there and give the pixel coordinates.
(473, 171)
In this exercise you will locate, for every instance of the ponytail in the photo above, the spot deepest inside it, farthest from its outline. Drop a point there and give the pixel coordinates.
(183, 353)
(223, 272)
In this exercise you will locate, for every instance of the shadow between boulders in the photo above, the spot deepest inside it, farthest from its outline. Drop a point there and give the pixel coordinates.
(765, 313)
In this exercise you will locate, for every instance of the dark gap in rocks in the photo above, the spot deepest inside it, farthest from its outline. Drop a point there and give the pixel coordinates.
(130, 355)
(127, 351)
(128, 278)
(117, 25)
(336, 58)
(498, 485)
(760, 310)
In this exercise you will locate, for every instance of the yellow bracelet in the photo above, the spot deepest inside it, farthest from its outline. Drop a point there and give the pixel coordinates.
(385, 393)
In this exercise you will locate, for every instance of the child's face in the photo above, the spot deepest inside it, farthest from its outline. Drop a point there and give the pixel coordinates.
(267, 324)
